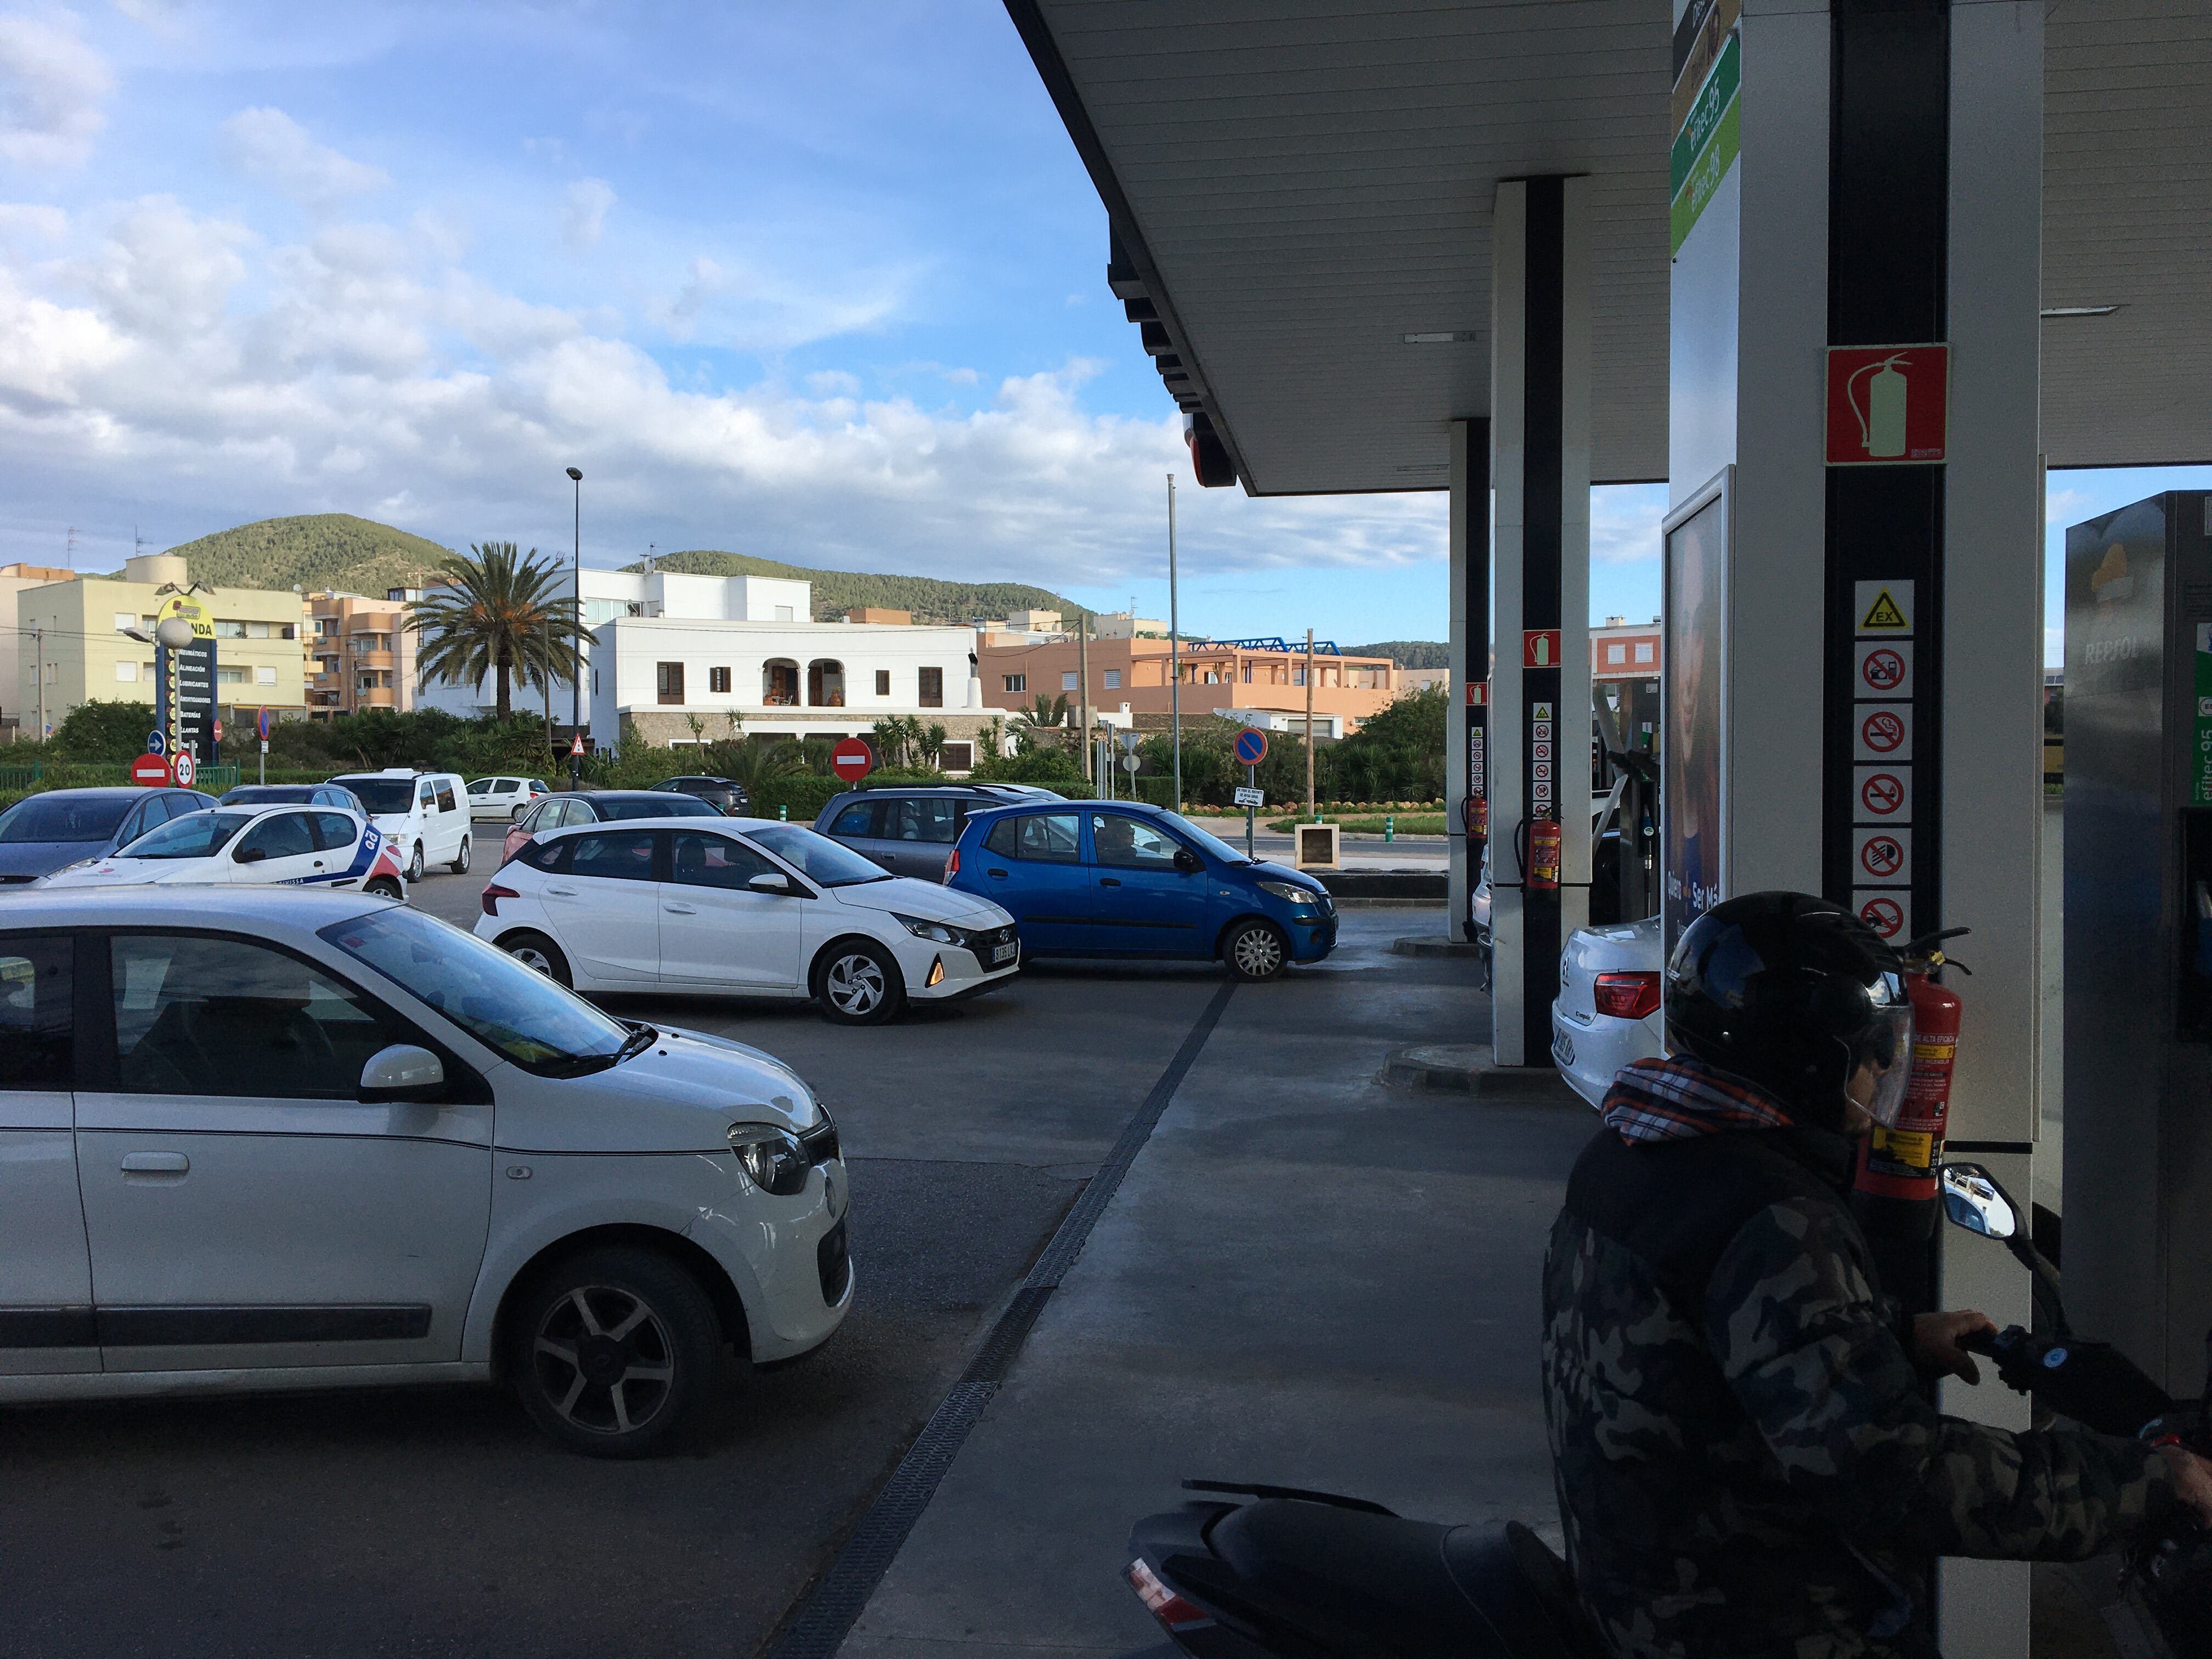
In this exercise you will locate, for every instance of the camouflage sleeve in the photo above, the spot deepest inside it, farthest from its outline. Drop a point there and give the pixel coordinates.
(1815, 1361)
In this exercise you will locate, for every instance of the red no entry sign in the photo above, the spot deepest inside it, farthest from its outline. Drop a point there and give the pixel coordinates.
(150, 771)
(852, 759)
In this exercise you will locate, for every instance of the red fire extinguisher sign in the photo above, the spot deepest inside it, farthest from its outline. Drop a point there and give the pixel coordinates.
(1888, 406)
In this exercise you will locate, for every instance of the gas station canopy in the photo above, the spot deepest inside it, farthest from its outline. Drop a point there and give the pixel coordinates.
(1300, 198)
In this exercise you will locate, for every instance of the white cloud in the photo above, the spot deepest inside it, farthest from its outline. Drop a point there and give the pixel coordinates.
(270, 146)
(51, 88)
(1624, 523)
(25, 222)
(585, 215)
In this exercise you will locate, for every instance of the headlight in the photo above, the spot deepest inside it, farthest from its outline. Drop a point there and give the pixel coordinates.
(1298, 896)
(936, 931)
(771, 1157)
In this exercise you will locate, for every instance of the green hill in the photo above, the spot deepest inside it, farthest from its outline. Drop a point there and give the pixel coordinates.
(321, 550)
(1407, 654)
(836, 591)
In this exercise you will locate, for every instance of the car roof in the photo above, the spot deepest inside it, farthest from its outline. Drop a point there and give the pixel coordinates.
(1143, 809)
(105, 791)
(652, 795)
(671, 821)
(240, 909)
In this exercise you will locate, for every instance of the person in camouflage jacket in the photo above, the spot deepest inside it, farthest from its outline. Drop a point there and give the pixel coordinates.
(1746, 1458)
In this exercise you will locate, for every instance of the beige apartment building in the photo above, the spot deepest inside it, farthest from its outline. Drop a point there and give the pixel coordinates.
(360, 652)
(1130, 676)
(17, 579)
(72, 648)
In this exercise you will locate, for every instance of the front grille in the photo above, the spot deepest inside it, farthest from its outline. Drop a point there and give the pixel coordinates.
(9, 881)
(985, 942)
(833, 1258)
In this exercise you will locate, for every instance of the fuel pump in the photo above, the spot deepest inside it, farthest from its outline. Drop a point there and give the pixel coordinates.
(1895, 1190)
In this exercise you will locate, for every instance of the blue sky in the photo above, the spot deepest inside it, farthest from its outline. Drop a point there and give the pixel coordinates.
(820, 282)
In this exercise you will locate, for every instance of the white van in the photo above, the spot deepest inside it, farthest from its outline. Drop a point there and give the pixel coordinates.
(424, 814)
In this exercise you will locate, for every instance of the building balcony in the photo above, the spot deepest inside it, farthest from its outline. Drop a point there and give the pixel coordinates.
(382, 696)
(374, 659)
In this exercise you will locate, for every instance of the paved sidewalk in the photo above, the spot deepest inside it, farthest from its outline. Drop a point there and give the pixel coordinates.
(1305, 1278)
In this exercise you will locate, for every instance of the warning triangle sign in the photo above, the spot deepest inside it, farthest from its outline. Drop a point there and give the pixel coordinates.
(1884, 613)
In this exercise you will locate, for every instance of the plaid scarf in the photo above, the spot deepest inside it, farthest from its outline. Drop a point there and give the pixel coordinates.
(1674, 1099)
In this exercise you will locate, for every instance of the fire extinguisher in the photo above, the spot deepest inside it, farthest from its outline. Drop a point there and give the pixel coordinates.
(1476, 814)
(1544, 848)
(1901, 1161)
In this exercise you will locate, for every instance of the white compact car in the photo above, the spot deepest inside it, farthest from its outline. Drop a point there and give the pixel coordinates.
(742, 907)
(324, 1140)
(266, 846)
(1607, 1012)
(500, 798)
(426, 815)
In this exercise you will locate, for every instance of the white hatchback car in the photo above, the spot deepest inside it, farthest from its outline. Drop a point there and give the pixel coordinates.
(1607, 1012)
(267, 846)
(314, 1139)
(742, 907)
(500, 799)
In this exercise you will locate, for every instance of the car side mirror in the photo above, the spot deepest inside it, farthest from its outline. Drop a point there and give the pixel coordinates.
(1188, 862)
(770, 881)
(402, 1072)
(249, 855)
(1973, 1200)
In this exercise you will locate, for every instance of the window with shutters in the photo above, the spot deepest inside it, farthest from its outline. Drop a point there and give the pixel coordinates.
(668, 681)
(933, 687)
(718, 679)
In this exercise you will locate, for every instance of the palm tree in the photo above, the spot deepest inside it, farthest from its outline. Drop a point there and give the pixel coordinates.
(889, 735)
(495, 614)
(1046, 714)
(994, 738)
(933, 742)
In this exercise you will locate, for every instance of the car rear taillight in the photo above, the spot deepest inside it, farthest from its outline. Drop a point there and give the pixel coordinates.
(952, 864)
(1627, 996)
(493, 895)
(1173, 1612)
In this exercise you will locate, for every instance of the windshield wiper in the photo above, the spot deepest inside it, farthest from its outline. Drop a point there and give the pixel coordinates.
(643, 1037)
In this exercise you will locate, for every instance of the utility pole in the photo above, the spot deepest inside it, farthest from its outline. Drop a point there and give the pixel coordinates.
(1174, 649)
(1309, 756)
(1083, 686)
(576, 598)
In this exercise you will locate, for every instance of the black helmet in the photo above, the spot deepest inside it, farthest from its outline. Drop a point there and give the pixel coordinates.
(1792, 993)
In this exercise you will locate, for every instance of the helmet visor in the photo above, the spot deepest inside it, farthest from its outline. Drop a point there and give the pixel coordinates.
(1887, 1050)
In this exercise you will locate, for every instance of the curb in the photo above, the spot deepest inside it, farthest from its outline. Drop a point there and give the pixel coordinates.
(1424, 886)
(1467, 1068)
(1434, 945)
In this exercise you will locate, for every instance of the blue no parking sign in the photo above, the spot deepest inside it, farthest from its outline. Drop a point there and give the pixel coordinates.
(1251, 746)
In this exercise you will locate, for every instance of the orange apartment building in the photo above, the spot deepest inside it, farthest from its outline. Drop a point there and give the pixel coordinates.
(361, 654)
(1218, 676)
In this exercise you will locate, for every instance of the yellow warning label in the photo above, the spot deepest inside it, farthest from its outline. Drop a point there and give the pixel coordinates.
(1905, 1145)
(1884, 612)
(1934, 1050)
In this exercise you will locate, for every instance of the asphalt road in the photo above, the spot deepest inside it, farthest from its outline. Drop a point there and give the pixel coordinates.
(435, 1521)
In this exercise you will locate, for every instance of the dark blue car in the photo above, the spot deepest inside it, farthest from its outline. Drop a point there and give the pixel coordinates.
(1114, 878)
(43, 833)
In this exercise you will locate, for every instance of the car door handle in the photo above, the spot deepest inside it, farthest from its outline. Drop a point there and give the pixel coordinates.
(996, 875)
(565, 892)
(679, 909)
(156, 1164)
(1109, 881)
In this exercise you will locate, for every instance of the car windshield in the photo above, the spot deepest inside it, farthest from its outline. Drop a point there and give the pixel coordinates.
(64, 817)
(1211, 843)
(197, 836)
(823, 861)
(526, 1016)
(268, 795)
(675, 806)
(386, 795)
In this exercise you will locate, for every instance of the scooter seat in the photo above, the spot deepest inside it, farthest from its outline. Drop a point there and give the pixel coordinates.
(1355, 1582)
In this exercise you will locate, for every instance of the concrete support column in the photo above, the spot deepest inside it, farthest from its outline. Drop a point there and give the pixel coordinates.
(1540, 702)
(1858, 192)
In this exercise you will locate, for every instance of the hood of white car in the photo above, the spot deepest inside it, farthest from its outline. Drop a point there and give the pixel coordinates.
(926, 899)
(681, 1095)
(135, 873)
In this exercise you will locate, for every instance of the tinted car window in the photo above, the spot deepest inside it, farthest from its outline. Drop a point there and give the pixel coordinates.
(446, 801)
(856, 820)
(36, 1015)
(619, 855)
(334, 832)
(271, 794)
(717, 862)
(1041, 837)
(64, 817)
(225, 1017)
(550, 856)
(676, 806)
(925, 820)
(1127, 843)
(286, 835)
(384, 795)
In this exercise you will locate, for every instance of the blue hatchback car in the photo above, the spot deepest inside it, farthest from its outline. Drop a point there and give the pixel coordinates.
(1117, 878)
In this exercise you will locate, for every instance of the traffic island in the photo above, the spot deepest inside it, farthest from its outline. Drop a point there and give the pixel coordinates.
(1469, 1068)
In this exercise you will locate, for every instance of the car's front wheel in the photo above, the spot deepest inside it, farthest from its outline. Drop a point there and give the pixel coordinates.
(537, 951)
(613, 1351)
(459, 866)
(415, 863)
(383, 887)
(858, 983)
(1256, 950)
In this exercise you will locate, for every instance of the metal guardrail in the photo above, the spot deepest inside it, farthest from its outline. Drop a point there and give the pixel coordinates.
(213, 778)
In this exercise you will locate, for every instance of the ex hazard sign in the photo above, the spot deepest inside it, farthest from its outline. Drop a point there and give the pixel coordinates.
(1888, 406)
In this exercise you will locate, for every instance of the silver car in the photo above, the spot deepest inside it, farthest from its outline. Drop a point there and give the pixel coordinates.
(1607, 1012)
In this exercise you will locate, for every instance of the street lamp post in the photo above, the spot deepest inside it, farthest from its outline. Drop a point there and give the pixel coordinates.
(576, 598)
(1175, 650)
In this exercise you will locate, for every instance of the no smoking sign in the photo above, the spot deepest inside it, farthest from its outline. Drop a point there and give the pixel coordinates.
(1882, 795)
(1881, 732)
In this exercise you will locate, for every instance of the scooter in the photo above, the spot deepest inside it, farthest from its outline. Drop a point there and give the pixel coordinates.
(1278, 1572)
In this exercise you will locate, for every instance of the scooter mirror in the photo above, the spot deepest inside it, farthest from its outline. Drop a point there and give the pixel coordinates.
(1972, 1199)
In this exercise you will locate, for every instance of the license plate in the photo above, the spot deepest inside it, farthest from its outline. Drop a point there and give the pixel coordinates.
(1562, 1048)
(1004, 953)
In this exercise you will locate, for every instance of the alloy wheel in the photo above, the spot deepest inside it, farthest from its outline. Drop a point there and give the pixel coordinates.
(603, 1359)
(530, 955)
(855, 984)
(1258, 953)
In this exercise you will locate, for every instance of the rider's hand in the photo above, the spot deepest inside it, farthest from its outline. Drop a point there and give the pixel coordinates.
(2192, 1482)
(1936, 1343)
